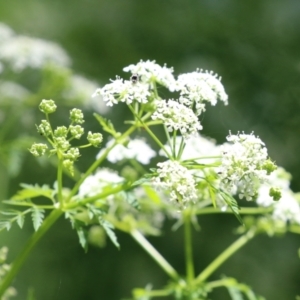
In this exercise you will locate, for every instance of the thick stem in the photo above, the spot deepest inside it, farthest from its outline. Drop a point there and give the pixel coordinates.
(215, 264)
(190, 273)
(17, 264)
(154, 254)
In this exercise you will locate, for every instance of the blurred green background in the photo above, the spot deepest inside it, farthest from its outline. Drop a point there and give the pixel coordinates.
(255, 46)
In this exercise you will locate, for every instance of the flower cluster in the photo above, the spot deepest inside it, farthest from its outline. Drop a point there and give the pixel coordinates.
(135, 149)
(4, 268)
(120, 90)
(21, 52)
(60, 137)
(150, 72)
(245, 165)
(199, 87)
(287, 208)
(178, 180)
(176, 116)
(94, 184)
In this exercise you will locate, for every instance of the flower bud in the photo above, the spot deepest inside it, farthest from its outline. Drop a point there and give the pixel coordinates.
(47, 106)
(94, 138)
(76, 116)
(38, 149)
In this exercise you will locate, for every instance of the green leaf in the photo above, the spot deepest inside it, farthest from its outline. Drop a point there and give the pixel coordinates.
(140, 182)
(82, 237)
(212, 196)
(231, 202)
(10, 212)
(5, 225)
(20, 220)
(107, 125)
(82, 234)
(237, 290)
(234, 293)
(152, 194)
(108, 227)
(32, 191)
(37, 217)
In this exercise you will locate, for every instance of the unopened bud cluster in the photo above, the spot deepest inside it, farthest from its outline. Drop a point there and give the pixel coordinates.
(60, 137)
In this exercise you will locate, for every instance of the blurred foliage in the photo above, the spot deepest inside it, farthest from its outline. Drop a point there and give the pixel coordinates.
(253, 45)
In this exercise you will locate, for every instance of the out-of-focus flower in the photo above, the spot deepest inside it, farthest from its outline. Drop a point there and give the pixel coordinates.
(22, 52)
(11, 91)
(94, 184)
(197, 148)
(135, 149)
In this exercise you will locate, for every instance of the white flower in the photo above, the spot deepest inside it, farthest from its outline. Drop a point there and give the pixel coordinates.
(287, 208)
(241, 171)
(150, 72)
(5, 33)
(280, 179)
(176, 116)
(22, 52)
(94, 184)
(199, 87)
(195, 148)
(136, 149)
(80, 90)
(120, 90)
(10, 90)
(176, 179)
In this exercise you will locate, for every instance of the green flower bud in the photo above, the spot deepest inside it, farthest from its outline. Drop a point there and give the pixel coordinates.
(94, 138)
(76, 131)
(3, 254)
(269, 166)
(72, 154)
(47, 106)
(275, 193)
(44, 128)
(97, 236)
(76, 116)
(61, 131)
(38, 149)
(69, 165)
(62, 143)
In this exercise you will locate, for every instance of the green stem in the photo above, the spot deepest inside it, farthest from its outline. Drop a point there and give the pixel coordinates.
(140, 239)
(242, 211)
(93, 167)
(17, 264)
(99, 196)
(59, 179)
(215, 264)
(188, 247)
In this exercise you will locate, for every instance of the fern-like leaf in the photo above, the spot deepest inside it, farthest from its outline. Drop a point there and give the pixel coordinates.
(32, 191)
(37, 217)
